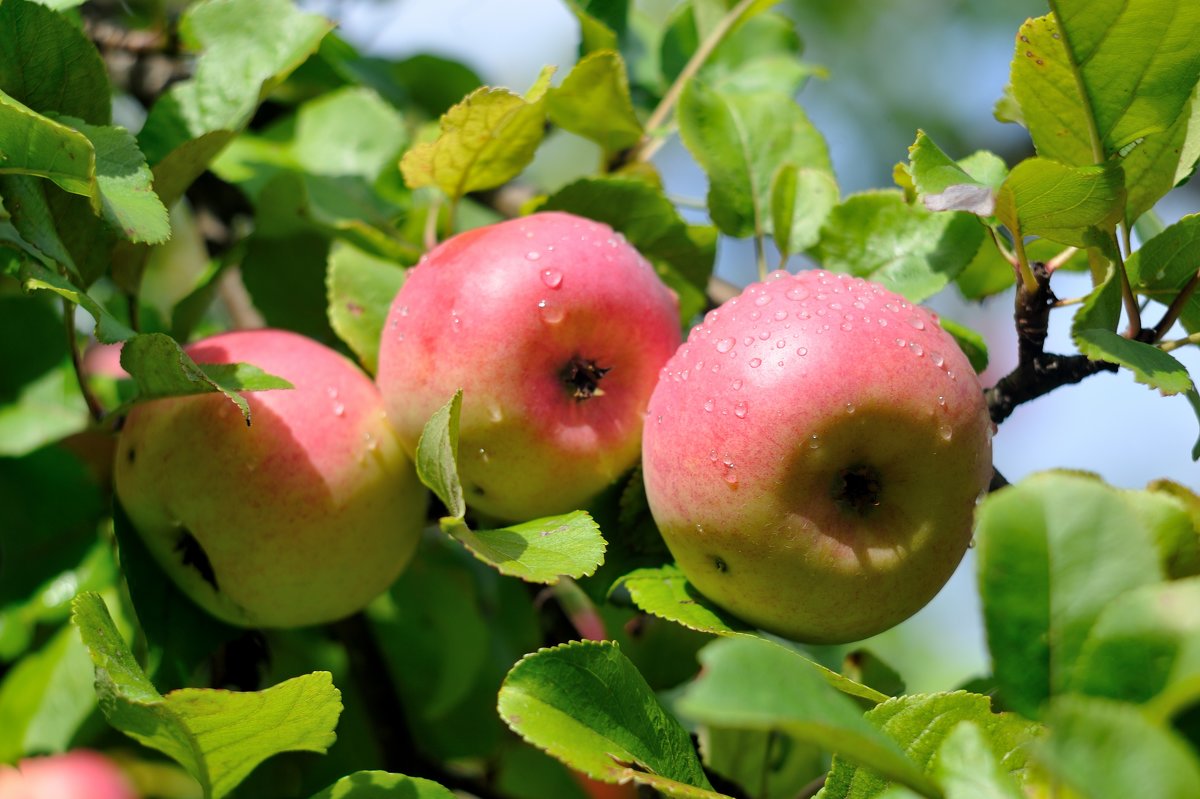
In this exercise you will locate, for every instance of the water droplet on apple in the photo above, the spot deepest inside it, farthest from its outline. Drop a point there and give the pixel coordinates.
(937, 358)
(813, 443)
(725, 345)
(404, 310)
(736, 384)
(551, 314)
(709, 404)
(731, 478)
(780, 315)
(796, 293)
(901, 342)
(483, 455)
(739, 410)
(916, 322)
(802, 351)
(755, 363)
(533, 255)
(847, 326)
(850, 408)
(552, 278)
(916, 348)
(332, 392)
(945, 432)
(942, 401)
(716, 367)
(684, 374)
(339, 409)
(764, 335)
(780, 344)
(754, 315)
(712, 455)
(777, 274)
(762, 299)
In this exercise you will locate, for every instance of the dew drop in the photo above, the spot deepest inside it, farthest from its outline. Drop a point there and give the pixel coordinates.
(709, 405)
(533, 255)
(813, 443)
(736, 384)
(754, 315)
(937, 358)
(847, 326)
(796, 293)
(780, 344)
(780, 315)
(712, 455)
(332, 392)
(971, 543)
(755, 363)
(945, 432)
(339, 409)
(802, 351)
(731, 477)
(739, 410)
(725, 345)
(684, 374)
(404, 310)
(916, 348)
(748, 340)
(762, 299)
(763, 335)
(552, 278)
(901, 342)
(551, 314)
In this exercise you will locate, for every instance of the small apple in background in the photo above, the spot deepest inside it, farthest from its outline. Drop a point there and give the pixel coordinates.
(302, 518)
(813, 455)
(79, 774)
(555, 328)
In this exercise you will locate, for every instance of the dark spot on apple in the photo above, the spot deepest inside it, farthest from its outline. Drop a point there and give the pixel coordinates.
(721, 565)
(132, 455)
(857, 489)
(582, 377)
(192, 554)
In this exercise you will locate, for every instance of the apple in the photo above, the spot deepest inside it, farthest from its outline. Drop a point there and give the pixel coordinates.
(78, 774)
(301, 518)
(555, 328)
(813, 455)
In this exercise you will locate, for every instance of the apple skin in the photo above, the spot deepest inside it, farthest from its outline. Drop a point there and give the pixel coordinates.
(78, 774)
(502, 312)
(304, 517)
(813, 455)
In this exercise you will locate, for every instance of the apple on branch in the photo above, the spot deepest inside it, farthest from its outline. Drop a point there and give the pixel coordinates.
(301, 518)
(78, 774)
(555, 328)
(813, 454)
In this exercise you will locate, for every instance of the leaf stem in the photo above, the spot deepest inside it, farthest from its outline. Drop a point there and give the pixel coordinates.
(580, 610)
(95, 409)
(760, 254)
(1060, 259)
(1176, 307)
(1005, 252)
(1128, 298)
(1027, 279)
(650, 142)
(1167, 346)
(430, 238)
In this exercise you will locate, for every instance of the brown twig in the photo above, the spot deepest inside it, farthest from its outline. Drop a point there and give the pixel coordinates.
(1038, 372)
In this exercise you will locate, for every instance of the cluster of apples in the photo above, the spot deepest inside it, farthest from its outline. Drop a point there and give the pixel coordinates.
(812, 453)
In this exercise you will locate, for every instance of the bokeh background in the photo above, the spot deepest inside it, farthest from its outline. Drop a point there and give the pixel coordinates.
(894, 66)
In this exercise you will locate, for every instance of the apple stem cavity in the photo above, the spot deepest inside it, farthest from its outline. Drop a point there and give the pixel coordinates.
(582, 378)
(858, 489)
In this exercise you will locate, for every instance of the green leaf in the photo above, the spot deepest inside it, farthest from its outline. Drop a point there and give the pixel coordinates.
(485, 140)
(249, 46)
(921, 724)
(109, 329)
(1046, 92)
(382, 785)
(37, 145)
(944, 185)
(1161, 162)
(160, 368)
(594, 34)
(586, 704)
(351, 131)
(1137, 62)
(801, 201)
(1145, 643)
(1044, 198)
(1171, 512)
(767, 765)
(741, 140)
(437, 456)
(45, 698)
(593, 101)
(48, 64)
(646, 217)
(361, 288)
(914, 252)
(1135, 757)
(666, 593)
(749, 683)
(966, 768)
(538, 551)
(123, 193)
(1149, 365)
(969, 341)
(1053, 551)
(218, 736)
(1165, 263)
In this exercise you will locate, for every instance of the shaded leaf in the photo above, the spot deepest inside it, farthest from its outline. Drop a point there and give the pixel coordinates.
(593, 101)
(218, 736)
(966, 768)
(1044, 198)
(361, 288)
(750, 683)
(437, 456)
(1054, 550)
(911, 251)
(1161, 162)
(969, 341)
(801, 200)
(382, 785)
